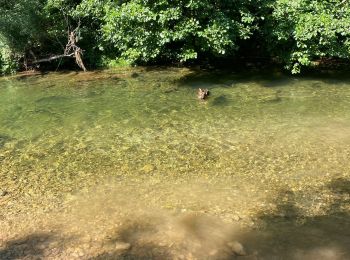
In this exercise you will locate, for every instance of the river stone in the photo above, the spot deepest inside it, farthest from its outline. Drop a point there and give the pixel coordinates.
(236, 218)
(148, 168)
(236, 248)
(122, 246)
(3, 193)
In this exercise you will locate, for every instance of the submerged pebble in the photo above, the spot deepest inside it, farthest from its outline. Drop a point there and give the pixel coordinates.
(3, 193)
(121, 246)
(237, 248)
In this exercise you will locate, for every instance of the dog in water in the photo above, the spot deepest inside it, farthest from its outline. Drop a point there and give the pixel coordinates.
(202, 93)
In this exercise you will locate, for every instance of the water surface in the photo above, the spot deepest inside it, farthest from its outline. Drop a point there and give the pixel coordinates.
(267, 152)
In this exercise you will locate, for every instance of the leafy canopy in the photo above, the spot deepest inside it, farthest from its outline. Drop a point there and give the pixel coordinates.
(305, 30)
(148, 30)
(296, 32)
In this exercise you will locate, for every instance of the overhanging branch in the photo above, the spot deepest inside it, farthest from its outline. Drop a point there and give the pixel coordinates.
(71, 50)
(52, 58)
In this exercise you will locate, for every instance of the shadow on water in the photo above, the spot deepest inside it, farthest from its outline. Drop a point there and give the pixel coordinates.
(286, 233)
(137, 236)
(4, 139)
(146, 250)
(52, 99)
(289, 234)
(30, 247)
(149, 251)
(267, 78)
(188, 237)
(24, 76)
(222, 100)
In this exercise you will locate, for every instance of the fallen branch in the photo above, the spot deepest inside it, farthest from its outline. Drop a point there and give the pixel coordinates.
(53, 58)
(71, 50)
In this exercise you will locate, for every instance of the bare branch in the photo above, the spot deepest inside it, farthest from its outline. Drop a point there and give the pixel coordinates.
(71, 50)
(53, 58)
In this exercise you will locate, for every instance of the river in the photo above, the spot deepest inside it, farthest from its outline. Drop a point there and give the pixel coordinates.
(129, 164)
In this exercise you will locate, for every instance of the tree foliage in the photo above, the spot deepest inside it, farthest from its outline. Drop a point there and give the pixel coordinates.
(21, 23)
(145, 30)
(305, 30)
(148, 31)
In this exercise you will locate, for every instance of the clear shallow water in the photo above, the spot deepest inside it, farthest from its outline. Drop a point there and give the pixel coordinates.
(261, 147)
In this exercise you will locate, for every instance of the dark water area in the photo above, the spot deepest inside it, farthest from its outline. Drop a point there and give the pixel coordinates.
(128, 164)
